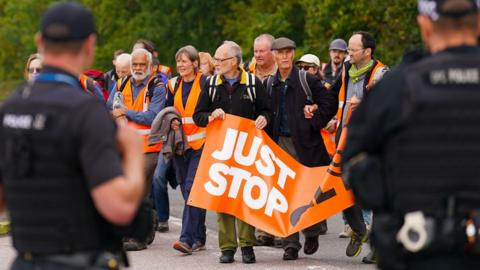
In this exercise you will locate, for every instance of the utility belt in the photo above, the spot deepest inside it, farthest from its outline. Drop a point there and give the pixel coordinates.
(416, 235)
(82, 260)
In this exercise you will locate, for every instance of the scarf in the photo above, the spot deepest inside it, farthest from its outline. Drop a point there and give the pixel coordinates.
(355, 73)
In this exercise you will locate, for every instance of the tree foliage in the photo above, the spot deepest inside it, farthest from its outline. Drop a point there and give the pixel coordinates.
(171, 24)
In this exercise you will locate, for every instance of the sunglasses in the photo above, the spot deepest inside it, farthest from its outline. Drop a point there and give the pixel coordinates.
(34, 70)
(305, 67)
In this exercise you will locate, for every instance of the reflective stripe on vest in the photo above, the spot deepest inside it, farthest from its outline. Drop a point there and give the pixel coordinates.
(195, 135)
(140, 104)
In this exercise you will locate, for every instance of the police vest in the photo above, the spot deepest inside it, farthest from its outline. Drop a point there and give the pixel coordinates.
(195, 135)
(436, 153)
(139, 104)
(50, 205)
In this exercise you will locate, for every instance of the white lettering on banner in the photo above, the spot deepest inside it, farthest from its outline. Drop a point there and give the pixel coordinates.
(272, 200)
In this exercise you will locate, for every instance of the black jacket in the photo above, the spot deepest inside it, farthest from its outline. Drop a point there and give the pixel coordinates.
(305, 132)
(237, 102)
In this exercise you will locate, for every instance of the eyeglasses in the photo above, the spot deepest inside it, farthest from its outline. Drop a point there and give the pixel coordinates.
(305, 67)
(221, 60)
(34, 70)
(350, 50)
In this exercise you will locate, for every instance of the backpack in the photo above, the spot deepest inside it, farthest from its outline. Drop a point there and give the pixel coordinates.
(213, 80)
(302, 74)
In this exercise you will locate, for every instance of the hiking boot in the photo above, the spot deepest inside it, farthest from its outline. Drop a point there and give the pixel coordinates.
(290, 254)
(183, 247)
(227, 256)
(263, 240)
(371, 258)
(131, 244)
(248, 256)
(355, 245)
(163, 226)
(323, 227)
(198, 246)
(346, 233)
(311, 245)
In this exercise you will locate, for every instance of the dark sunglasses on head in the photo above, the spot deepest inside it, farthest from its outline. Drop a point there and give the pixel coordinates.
(34, 70)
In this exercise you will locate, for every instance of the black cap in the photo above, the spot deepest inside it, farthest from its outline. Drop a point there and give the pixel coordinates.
(283, 43)
(66, 22)
(434, 10)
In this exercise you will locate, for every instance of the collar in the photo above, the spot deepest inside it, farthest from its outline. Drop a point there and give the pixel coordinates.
(243, 77)
(142, 84)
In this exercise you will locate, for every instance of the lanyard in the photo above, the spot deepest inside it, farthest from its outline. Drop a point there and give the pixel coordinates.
(57, 77)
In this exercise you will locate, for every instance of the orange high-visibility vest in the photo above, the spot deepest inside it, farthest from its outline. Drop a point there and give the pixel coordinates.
(140, 104)
(341, 94)
(165, 70)
(195, 135)
(329, 141)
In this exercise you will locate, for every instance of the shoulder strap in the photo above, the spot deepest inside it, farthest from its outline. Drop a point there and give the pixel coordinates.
(123, 83)
(152, 84)
(270, 79)
(212, 87)
(306, 88)
(251, 87)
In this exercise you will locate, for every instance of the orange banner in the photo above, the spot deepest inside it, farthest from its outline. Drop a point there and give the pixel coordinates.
(243, 172)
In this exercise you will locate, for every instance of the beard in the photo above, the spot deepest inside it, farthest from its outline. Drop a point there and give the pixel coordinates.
(140, 76)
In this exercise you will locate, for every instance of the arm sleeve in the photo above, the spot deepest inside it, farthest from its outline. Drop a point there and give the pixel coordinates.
(156, 104)
(110, 97)
(262, 101)
(202, 110)
(326, 100)
(98, 153)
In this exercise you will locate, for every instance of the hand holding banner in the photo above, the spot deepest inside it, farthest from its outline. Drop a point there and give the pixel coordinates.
(242, 172)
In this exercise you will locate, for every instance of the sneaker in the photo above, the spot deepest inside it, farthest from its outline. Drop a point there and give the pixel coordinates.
(163, 226)
(346, 233)
(290, 254)
(263, 240)
(355, 245)
(311, 245)
(131, 244)
(227, 256)
(371, 258)
(183, 247)
(198, 246)
(248, 255)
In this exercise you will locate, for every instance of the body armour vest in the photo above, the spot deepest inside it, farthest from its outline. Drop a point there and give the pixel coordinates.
(434, 156)
(50, 205)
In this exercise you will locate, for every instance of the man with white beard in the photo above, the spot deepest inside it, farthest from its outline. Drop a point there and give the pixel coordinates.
(144, 97)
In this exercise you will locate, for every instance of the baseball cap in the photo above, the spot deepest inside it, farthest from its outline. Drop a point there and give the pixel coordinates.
(66, 22)
(283, 43)
(338, 44)
(434, 10)
(309, 59)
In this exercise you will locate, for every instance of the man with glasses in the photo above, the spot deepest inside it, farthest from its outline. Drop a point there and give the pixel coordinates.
(293, 132)
(231, 97)
(361, 73)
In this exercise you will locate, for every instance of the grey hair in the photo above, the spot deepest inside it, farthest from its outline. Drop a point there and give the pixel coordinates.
(190, 52)
(266, 37)
(236, 49)
(144, 52)
(123, 59)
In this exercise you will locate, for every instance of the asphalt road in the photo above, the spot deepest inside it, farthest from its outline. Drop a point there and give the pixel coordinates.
(161, 255)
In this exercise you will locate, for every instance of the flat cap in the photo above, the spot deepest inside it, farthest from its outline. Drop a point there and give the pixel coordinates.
(338, 44)
(283, 43)
(66, 21)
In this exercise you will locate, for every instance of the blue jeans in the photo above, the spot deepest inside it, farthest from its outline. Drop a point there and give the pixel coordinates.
(193, 220)
(160, 189)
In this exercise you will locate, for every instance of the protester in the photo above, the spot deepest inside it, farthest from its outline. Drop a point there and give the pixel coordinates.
(143, 99)
(263, 63)
(149, 46)
(289, 126)
(111, 76)
(361, 73)
(122, 66)
(310, 63)
(33, 67)
(206, 64)
(332, 71)
(414, 133)
(229, 97)
(73, 177)
(183, 94)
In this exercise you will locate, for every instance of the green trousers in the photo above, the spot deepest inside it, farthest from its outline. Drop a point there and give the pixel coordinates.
(227, 232)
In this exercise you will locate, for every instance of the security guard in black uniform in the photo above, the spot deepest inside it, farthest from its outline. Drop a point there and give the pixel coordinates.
(413, 149)
(62, 177)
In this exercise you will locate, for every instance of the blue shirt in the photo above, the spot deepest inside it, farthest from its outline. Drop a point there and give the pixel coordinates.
(157, 103)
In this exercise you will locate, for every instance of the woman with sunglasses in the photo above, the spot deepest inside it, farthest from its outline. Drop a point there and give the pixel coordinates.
(33, 66)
